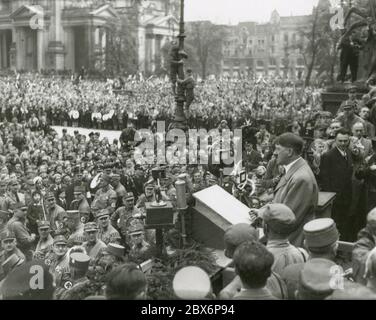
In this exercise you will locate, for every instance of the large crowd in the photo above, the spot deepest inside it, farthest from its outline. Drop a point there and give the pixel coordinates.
(76, 204)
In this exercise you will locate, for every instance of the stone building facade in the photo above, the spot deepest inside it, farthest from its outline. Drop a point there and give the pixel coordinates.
(69, 34)
(267, 49)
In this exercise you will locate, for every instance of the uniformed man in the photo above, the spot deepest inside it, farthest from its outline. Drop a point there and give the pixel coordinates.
(122, 216)
(189, 85)
(316, 280)
(147, 196)
(278, 221)
(17, 225)
(4, 217)
(45, 243)
(76, 228)
(13, 197)
(3, 189)
(118, 187)
(107, 233)
(9, 248)
(79, 266)
(55, 213)
(321, 241)
(136, 232)
(105, 197)
(58, 260)
(92, 245)
(352, 99)
(81, 204)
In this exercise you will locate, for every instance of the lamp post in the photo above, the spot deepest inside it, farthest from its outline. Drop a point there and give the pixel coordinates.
(179, 118)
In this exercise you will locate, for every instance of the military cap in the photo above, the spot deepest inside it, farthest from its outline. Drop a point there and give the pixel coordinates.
(106, 178)
(239, 233)
(90, 226)
(150, 183)
(50, 195)
(352, 291)
(316, 277)
(136, 227)
(20, 206)
(348, 105)
(73, 214)
(115, 176)
(352, 89)
(17, 284)
(5, 235)
(79, 260)
(116, 249)
(43, 224)
(79, 189)
(128, 195)
(4, 214)
(3, 182)
(60, 239)
(320, 233)
(103, 212)
(191, 283)
(13, 182)
(11, 262)
(278, 217)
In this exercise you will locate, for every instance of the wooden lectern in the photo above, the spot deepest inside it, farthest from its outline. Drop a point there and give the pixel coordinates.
(325, 204)
(215, 211)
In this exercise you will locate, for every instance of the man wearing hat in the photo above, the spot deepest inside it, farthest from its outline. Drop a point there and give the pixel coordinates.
(278, 221)
(136, 233)
(3, 189)
(321, 241)
(16, 225)
(9, 248)
(80, 203)
(296, 184)
(55, 213)
(107, 233)
(4, 217)
(148, 195)
(118, 187)
(76, 228)
(77, 181)
(351, 99)
(349, 118)
(13, 197)
(92, 245)
(45, 243)
(79, 266)
(124, 214)
(105, 197)
(316, 280)
(9, 265)
(233, 238)
(58, 259)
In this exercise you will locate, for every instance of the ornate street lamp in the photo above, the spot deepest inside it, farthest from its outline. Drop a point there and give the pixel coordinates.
(179, 118)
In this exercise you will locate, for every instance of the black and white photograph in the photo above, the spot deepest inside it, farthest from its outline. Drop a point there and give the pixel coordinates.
(187, 150)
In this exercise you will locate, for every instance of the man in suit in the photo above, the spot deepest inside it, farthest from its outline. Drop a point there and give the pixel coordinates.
(336, 170)
(297, 188)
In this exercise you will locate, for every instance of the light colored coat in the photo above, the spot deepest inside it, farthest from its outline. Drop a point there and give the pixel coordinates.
(298, 190)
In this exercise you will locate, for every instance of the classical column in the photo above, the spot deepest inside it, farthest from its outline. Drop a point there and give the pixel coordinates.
(20, 48)
(40, 49)
(2, 64)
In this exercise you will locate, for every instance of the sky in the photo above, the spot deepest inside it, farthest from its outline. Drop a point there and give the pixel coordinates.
(234, 11)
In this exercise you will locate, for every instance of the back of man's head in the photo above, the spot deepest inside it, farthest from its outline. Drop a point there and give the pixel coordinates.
(253, 263)
(126, 282)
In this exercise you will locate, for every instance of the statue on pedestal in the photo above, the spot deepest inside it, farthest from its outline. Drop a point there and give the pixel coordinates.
(358, 44)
